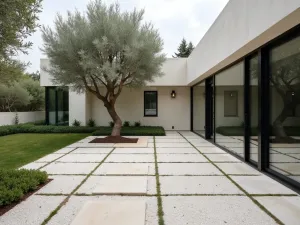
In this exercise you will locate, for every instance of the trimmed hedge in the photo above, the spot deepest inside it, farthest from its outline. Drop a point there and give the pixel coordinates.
(14, 184)
(131, 131)
(30, 128)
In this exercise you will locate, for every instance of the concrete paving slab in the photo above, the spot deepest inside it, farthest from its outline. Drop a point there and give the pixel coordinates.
(130, 158)
(173, 145)
(69, 211)
(123, 168)
(261, 185)
(282, 158)
(187, 169)
(176, 150)
(69, 168)
(195, 210)
(33, 166)
(237, 169)
(292, 168)
(181, 158)
(210, 150)
(82, 158)
(287, 150)
(129, 185)
(92, 150)
(204, 144)
(49, 158)
(198, 185)
(133, 151)
(222, 158)
(179, 140)
(61, 185)
(112, 212)
(286, 209)
(64, 150)
(168, 137)
(32, 211)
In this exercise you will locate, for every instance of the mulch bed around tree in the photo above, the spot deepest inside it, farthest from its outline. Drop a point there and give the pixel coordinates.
(6, 208)
(115, 139)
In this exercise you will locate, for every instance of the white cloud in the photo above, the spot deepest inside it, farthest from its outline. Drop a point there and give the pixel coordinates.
(175, 19)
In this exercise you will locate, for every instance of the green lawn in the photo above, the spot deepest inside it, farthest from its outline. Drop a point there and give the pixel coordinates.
(20, 149)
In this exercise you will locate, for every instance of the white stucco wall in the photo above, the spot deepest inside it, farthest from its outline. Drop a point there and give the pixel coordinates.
(8, 118)
(243, 26)
(77, 107)
(130, 107)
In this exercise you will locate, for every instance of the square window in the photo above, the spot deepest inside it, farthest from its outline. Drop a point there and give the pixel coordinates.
(230, 103)
(150, 103)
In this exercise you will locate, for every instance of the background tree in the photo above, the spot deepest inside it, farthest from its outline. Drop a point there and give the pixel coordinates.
(18, 20)
(184, 49)
(102, 51)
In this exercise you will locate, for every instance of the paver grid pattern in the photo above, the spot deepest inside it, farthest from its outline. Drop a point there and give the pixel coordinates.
(188, 181)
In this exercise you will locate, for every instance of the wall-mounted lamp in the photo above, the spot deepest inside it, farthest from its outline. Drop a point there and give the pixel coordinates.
(173, 94)
(293, 93)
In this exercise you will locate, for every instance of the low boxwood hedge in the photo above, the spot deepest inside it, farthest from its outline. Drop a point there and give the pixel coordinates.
(14, 184)
(97, 131)
(131, 131)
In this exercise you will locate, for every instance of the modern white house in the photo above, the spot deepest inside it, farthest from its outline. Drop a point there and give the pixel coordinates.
(240, 88)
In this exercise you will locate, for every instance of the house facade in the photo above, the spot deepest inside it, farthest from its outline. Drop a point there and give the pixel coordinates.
(240, 88)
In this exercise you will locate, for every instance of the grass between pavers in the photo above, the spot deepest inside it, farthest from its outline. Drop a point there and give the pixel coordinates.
(97, 131)
(20, 149)
(15, 184)
(239, 187)
(54, 212)
(160, 212)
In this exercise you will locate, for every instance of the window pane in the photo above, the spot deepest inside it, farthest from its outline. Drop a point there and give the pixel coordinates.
(51, 105)
(150, 103)
(284, 107)
(199, 109)
(229, 101)
(63, 106)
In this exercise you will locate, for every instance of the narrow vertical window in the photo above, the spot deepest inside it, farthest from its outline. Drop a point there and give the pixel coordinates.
(150, 103)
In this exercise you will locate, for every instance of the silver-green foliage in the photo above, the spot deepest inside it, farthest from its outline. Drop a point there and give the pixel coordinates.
(103, 47)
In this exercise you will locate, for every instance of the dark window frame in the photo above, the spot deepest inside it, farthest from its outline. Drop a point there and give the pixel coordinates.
(145, 93)
(237, 103)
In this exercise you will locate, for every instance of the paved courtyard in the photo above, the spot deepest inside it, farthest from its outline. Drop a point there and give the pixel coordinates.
(182, 178)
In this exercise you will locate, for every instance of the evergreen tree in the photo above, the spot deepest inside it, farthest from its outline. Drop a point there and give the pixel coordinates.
(184, 49)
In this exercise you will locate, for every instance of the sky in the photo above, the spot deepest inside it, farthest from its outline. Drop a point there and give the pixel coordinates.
(175, 19)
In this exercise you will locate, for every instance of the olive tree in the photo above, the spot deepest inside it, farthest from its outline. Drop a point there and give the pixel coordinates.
(103, 50)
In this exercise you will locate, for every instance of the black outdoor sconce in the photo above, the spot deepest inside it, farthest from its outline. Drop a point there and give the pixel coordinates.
(173, 94)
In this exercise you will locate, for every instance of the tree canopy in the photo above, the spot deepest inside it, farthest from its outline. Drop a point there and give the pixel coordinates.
(102, 51)
(184, 49)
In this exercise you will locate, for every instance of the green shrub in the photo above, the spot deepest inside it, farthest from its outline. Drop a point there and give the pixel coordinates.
(39, 122)
(14, 184)
(132, 131)
(76, 123)
(111, 124)
(137, 124)
(91, 123)
(126, 124)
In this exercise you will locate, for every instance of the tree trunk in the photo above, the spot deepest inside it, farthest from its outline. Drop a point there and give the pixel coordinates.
(117, 121)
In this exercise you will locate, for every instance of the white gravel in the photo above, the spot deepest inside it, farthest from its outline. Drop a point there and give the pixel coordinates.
(61, 185)
(130, 158)
(197, 185)
(187, 169)
(82, 158)
(33, 211)
(69, 168)
(69, 211)
(181, 158)
(212, 210)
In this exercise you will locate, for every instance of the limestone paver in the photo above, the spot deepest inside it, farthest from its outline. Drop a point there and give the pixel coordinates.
(176, 150)
(237, 168)
(69, 168)
(222, 158)
(181, 158)
(64, 150)
(286, 208)
(91, 150)
(130, 158)
(123, 168)
(173, 145)
(188, 169)
(82, 158)
(33, 166)
(198, 185)
(61, 185)
(179, 140)
(133, 151)
(195, 210)
(210, 150)
(108, 212)
(204, 144)
(69, 211)
(261, 185)
(32, 211)
(49, 158)
(129, 185)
